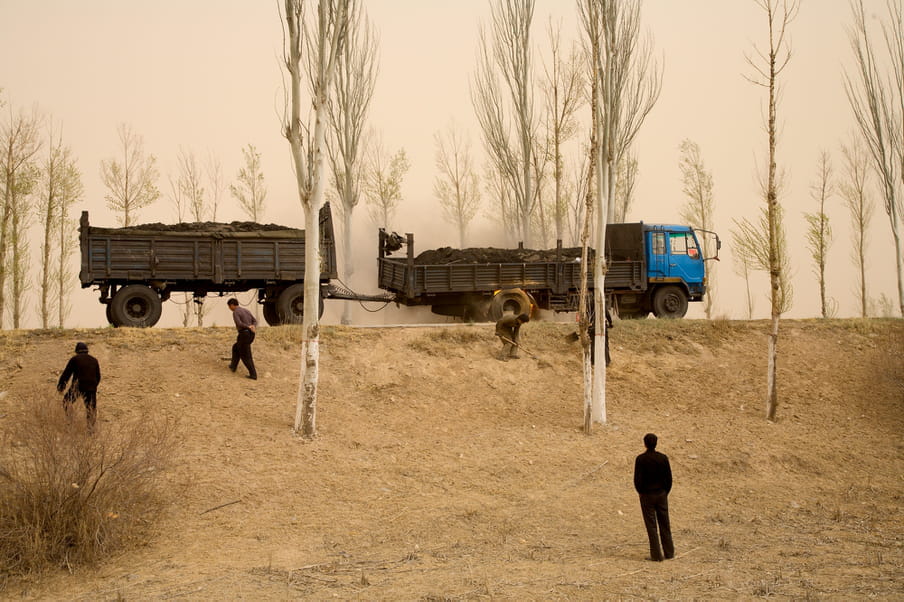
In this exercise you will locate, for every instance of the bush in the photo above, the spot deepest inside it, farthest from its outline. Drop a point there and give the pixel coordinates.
(70, 497)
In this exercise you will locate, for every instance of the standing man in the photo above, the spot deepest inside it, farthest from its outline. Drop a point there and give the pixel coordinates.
(591, 332)
(653, 481)
(508, 328)
(245, 323)
(85, 373)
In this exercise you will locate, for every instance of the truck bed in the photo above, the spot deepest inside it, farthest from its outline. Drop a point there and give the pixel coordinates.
(197, 255)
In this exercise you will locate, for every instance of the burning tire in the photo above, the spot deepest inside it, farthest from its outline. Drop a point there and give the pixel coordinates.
(512, 300)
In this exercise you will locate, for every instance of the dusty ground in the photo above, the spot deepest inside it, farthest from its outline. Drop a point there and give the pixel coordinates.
(440, 473)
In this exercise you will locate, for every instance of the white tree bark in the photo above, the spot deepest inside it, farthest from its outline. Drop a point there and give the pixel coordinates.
(322, 43)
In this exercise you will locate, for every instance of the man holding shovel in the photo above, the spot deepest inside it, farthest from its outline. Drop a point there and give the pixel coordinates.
(508, 328)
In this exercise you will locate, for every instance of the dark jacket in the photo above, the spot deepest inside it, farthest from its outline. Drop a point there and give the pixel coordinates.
(652, 473)
(508, 327)
(84, 371)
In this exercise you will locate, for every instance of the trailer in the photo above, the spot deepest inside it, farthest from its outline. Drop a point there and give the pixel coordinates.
(137, 268)
(658, 268)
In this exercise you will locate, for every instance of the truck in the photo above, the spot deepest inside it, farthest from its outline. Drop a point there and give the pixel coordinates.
(137, 268)
(654, 268)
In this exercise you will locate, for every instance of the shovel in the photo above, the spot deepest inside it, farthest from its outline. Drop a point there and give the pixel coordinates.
(521, 347)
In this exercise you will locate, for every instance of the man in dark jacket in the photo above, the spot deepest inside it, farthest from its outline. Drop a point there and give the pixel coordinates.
(508, 329)
(85, 373)
(245, 323)
(591, 332)
(653, 481)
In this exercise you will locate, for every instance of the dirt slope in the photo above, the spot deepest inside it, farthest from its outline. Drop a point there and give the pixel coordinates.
(440, 473)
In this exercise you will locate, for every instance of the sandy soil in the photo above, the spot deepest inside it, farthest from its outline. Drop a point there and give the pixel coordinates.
(440, 473)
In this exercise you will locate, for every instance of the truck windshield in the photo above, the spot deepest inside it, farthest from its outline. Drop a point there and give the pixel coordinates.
(682, 243)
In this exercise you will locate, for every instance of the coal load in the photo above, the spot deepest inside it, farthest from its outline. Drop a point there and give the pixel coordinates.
(204, 227)
(482, 255)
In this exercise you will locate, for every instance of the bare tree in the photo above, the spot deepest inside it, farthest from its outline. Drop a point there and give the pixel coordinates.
(60, 186)
(766, 68)
(504, 210)
(189, 195)
(743, 267)
(456, 186)
(563, 88)
(698, 210)
(383, 182)
(819, 230)
(503, 97)
(132, 181)
(353, 89)
(853, 188)
(250, 189)
(751, 241)
(320, 43)
(20, 140)
(214, 171)
(576, 194)
(877, 101)
(627, 84)
(624, 186)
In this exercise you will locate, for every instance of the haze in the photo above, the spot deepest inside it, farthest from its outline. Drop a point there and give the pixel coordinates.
(205, 76)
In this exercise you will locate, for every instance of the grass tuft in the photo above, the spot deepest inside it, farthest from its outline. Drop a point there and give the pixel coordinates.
(71, 497)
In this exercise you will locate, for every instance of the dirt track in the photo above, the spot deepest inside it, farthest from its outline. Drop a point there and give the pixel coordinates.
(440, 473)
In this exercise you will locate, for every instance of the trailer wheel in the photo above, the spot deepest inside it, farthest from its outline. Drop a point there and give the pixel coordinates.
(670, 302)
(135, 305)
(290, 305)
(270, 313)
(512, 300)
(109, 313)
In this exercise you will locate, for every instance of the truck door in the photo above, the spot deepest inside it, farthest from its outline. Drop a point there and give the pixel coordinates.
(658, 264)
(685, 259)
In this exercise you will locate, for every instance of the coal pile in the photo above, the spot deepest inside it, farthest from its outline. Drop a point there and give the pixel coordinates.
(449, 255)
(207, 227)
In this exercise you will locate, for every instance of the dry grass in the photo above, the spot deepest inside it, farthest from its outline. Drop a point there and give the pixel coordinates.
(71, 497)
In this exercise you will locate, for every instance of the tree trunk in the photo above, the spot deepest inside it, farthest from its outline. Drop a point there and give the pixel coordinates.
(347, 260)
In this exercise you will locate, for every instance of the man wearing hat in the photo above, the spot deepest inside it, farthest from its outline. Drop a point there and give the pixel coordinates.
(85, 373)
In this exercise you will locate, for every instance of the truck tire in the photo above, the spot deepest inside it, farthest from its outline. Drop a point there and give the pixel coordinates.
(670, 302)
(270, 313)
(135, 305)
(290, 305)
(512, 300)
(109, 315)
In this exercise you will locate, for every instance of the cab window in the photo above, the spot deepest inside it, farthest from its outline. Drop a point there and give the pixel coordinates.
(658, 243)
(678, 243)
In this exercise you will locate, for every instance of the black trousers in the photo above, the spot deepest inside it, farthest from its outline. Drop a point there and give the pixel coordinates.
(90, 398)
(655, 509)
(241, 350)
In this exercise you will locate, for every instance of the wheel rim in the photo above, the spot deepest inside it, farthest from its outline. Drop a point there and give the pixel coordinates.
(671, 303)
(137, 308)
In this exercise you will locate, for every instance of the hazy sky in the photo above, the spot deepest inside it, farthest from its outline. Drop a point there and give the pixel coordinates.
(204, 75)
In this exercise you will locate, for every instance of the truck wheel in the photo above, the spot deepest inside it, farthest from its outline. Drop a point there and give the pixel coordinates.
(512, 300)
(109, 313)
(290, 305)
(670, 302)
(135, 305)
(270, 313)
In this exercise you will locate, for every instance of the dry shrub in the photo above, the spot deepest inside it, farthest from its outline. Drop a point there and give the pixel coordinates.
(71, 497)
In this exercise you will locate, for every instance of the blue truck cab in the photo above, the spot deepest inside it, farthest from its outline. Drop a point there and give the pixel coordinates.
(674, 267)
